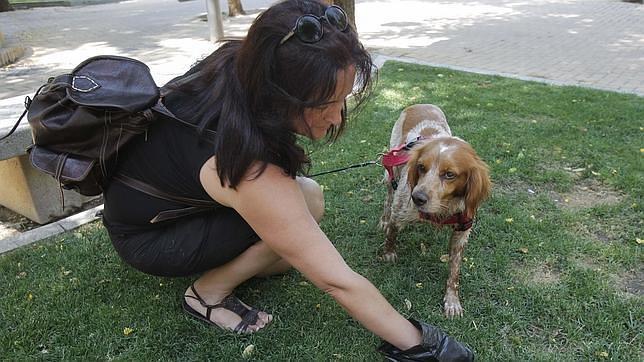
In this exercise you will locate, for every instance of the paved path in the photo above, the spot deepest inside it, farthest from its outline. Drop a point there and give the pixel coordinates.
(593, 43)
(590, 43)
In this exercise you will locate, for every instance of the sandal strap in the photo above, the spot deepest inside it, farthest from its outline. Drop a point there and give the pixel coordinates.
(249, 316)
(233, 304)
(197, 297)
(209, 307)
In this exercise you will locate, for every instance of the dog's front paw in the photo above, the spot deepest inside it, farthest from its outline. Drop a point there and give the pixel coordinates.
(390, 256)
(452, 306)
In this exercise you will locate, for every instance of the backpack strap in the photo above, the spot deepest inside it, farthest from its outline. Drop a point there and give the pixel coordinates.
(27, 105)
(161, 108)
(194, 205)
(15, 126)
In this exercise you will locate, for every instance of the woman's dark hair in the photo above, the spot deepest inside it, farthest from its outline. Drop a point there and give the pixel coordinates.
(251, 91)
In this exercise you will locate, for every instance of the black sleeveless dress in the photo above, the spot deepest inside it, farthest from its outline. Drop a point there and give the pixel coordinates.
(169, 157)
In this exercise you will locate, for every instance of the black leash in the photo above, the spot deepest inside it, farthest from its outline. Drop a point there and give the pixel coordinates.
(363, 164)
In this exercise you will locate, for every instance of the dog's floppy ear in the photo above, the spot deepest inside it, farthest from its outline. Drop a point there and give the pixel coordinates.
(412, 170)
(478, 187)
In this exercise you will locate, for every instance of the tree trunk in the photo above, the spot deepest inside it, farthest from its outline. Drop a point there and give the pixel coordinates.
(5, 6)
(235, 8)
(349, 7)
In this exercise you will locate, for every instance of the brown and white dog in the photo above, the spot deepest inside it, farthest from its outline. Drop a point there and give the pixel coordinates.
(443, 182)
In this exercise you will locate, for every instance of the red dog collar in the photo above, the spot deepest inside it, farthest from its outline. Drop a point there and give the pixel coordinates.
(460, 221)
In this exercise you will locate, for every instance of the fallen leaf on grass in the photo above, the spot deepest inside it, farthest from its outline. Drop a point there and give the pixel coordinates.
(127, 331)
(639, 241)
(444, 258)
(523, 250)
(419, 285)
(423, 248)
(248, 351)
(602, 354)
(407, 304)
(509, 220)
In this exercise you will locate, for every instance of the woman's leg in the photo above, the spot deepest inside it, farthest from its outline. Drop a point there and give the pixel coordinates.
(219, 282)
(315, 201)
(257, 260)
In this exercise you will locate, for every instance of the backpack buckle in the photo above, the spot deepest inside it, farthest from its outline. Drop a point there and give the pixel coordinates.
(27, 102)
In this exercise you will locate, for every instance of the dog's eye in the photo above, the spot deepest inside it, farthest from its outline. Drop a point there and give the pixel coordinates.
(421, 168)
(449, 175)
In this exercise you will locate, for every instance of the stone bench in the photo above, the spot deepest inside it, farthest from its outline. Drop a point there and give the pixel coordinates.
(24, 189)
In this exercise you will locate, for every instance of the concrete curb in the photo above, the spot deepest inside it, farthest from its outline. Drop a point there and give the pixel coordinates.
(379, 61)
(49, 230)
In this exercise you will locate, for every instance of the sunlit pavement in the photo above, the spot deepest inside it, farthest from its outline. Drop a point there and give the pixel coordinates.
(597, 43)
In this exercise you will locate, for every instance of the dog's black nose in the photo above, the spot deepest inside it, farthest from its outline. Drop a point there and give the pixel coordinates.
(419, 198)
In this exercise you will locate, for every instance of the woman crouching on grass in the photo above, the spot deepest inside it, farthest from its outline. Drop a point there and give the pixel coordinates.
(290, 76)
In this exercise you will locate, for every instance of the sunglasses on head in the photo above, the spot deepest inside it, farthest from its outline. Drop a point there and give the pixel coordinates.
(308, 28)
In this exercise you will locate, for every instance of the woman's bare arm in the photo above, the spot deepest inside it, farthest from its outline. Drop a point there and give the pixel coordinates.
(275, 208)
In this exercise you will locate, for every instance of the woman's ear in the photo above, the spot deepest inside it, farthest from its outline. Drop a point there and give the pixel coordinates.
(478, 187)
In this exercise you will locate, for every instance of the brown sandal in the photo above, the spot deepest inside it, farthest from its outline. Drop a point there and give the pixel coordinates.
(249, 316)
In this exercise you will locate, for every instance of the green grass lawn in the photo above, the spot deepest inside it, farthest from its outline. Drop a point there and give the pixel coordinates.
(553, 271)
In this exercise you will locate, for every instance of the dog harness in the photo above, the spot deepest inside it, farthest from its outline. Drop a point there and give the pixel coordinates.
(396, 157)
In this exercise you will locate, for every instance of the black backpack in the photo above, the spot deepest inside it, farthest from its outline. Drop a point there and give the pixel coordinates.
(80, 121)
